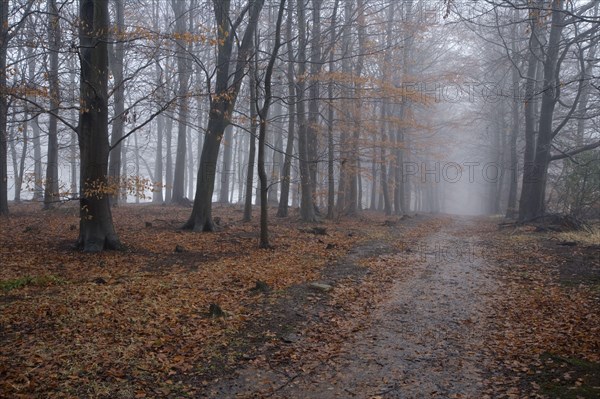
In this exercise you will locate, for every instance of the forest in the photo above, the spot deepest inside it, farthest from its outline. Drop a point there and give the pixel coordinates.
(245, 198)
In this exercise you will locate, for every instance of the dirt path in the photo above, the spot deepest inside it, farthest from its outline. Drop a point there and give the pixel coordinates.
(424, 340)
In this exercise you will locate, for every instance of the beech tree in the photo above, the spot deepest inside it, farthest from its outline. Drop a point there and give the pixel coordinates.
(96, 230)
(8, 30)
(222, 102)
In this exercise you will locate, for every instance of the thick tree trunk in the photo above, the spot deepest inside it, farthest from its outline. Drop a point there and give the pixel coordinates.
(96, 225)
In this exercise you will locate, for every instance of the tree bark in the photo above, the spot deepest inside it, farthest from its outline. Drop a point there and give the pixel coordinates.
(96, 231)
(183, 72)
(226, 165)
(263, 114)
(252, 145)
(511, 209)
(4, 4)
(307, 204)
(158, 186)
(51, 194)
(282, 211)
(533, 202)
(116, 60)
(330, 119)
(222, 104)
(535, 55)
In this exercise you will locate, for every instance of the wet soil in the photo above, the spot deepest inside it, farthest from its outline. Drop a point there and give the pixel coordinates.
(423, 340)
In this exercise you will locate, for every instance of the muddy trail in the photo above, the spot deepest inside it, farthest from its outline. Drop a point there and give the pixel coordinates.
(424, 339)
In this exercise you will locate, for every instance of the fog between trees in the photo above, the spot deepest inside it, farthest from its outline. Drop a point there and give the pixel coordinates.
(329, 106)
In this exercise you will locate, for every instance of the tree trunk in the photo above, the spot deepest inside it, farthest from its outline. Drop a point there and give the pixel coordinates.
(252, 141)
(96, 225)
(183, 72)
(277, 158)
(38, 188)
(313, 100)
(535, 55)
(533, 199)
(373, 205)
(190, 164)
(158, 185)
(51, 194)
(537, 199)
(222, 104)
(73, 156)
(400, 187)
(116, 60)
(511, 208)
(355, 195)
(282, 211)
(169, 158)
(226, 166)
(307, 204)
(384, 175)
(263, 114)
(4, 38)
(12, 143)
(330, 120)
(345, 174)
(157, 197)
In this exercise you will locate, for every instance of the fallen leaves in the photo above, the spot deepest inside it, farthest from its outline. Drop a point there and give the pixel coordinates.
(144, 329)
(534, 314)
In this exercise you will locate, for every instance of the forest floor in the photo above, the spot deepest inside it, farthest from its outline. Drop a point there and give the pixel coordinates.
(371, 307)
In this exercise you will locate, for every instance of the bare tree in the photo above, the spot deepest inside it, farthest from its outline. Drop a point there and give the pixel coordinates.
(96, 231)
(263, 114)
(8, 30)
(222, 103)
(116, 61)
(183, 72)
